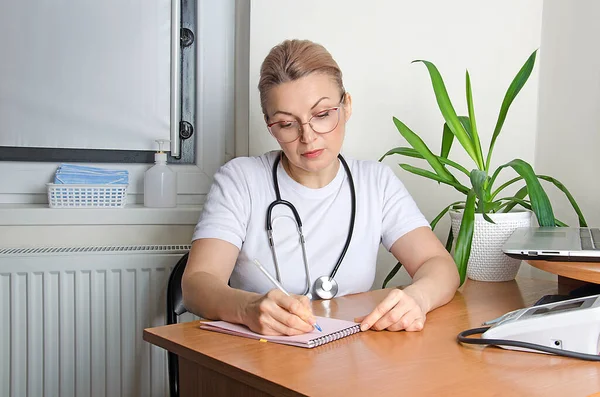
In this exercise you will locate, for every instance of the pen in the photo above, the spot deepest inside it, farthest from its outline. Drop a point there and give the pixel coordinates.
(277, 284)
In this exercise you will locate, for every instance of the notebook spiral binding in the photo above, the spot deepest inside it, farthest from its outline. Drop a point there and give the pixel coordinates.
(335, 336)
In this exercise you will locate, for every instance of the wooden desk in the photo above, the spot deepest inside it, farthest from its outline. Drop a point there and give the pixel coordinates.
(426, 363)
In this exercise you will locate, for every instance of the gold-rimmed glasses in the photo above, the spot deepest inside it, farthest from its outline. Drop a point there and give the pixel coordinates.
(322, 122)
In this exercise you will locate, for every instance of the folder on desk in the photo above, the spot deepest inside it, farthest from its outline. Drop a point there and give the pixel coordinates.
(333, 329)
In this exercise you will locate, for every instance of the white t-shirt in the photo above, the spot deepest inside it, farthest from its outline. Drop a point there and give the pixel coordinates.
(236, 208)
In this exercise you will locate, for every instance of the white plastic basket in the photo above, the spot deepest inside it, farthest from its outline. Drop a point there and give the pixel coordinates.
(86, 196)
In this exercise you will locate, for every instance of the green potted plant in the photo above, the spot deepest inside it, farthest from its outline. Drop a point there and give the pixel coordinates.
(484, 203)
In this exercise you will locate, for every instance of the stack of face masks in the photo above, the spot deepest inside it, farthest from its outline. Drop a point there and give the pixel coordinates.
(83, 175)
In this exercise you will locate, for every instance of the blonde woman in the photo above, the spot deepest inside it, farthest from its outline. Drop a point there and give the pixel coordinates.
(345, 207)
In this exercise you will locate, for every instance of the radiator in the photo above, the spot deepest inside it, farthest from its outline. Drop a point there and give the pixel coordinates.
(72, 320)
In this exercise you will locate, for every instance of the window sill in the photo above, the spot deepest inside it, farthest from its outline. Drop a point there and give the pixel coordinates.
(135, 214)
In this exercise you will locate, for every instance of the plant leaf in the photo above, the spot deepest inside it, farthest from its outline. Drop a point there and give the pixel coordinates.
(514, 88)
(493, 206)
(560, 223)
(503, 186)
(526, 205)
(516, 200)
(435, 177)
(391, 274)
(562, 188)
(442, 213)
(448, 136)
(447, 139)
(487, 218)
(540, 203)
(474, 134)
(449, 240)
(405, 151)
(462, 250)
(466, 123)
(520, 194)
(478, 179)
(410, 152)
(447, 110)
(523, 203)
(417, 143)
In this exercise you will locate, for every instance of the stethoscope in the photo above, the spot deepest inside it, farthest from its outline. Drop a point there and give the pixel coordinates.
(325, 286)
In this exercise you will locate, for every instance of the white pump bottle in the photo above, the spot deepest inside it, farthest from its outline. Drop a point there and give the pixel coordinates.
(160, 183)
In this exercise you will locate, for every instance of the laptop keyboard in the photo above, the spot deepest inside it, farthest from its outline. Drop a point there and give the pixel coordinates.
(590, 238)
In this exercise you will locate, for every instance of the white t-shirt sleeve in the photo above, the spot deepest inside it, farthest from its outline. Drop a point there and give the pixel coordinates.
(400, 213)
(226, 213)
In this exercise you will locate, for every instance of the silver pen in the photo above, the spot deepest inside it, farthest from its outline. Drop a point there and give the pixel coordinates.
(277, 284)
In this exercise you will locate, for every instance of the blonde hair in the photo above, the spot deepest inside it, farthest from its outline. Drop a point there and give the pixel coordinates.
(292, 60)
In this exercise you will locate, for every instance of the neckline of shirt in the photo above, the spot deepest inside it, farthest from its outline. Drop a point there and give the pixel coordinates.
(307, 192)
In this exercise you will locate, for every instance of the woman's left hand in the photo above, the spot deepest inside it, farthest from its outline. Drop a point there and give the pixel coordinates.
(400, 310)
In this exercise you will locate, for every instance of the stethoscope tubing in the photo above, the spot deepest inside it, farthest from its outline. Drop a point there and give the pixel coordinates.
(279, 201)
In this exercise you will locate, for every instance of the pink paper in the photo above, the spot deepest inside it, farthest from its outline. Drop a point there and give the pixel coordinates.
(333, 329)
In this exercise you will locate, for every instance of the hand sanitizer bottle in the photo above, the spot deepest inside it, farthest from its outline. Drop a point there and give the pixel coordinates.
(160, 183)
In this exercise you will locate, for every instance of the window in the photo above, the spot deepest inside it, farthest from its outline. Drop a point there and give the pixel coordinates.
(95, 88)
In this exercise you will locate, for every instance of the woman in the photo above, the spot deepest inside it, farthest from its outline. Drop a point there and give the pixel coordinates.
(306, 110)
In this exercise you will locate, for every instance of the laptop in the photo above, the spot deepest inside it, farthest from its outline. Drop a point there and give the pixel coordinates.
(577, 244)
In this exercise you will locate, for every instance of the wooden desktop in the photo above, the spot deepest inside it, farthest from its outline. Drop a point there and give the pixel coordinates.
(426, 363)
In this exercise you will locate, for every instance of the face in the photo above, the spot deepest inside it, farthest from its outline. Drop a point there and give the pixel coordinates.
(310, 98)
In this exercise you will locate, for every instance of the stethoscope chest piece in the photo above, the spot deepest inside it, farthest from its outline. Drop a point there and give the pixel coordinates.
(326, 287)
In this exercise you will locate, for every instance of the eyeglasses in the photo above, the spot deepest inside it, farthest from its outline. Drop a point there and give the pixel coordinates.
(322, 123)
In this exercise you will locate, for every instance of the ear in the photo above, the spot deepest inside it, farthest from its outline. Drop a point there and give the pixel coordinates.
(348, 106)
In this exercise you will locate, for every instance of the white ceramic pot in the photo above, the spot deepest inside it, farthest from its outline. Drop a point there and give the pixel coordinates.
(487, 261)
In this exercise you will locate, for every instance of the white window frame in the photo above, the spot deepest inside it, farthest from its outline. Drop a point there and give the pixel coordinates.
(216, 137)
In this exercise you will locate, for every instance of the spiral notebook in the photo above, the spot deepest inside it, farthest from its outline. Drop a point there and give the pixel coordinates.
(333, 329)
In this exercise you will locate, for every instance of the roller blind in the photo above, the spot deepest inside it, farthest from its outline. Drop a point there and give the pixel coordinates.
(84, 74)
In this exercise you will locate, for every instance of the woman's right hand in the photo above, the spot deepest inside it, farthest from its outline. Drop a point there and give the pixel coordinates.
(275, 313)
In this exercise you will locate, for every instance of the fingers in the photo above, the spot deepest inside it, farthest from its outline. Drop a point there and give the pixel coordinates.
(274, 320)
(398, 311)
(380, 310)
(277, 324)
(415, 326)
(412, 320)
(305, 301)
(299, 306)
(401, 315)
(287, 315)
(306, 308)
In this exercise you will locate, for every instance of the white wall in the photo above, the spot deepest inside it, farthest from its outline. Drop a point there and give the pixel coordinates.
(374, 44)
(569, 109)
